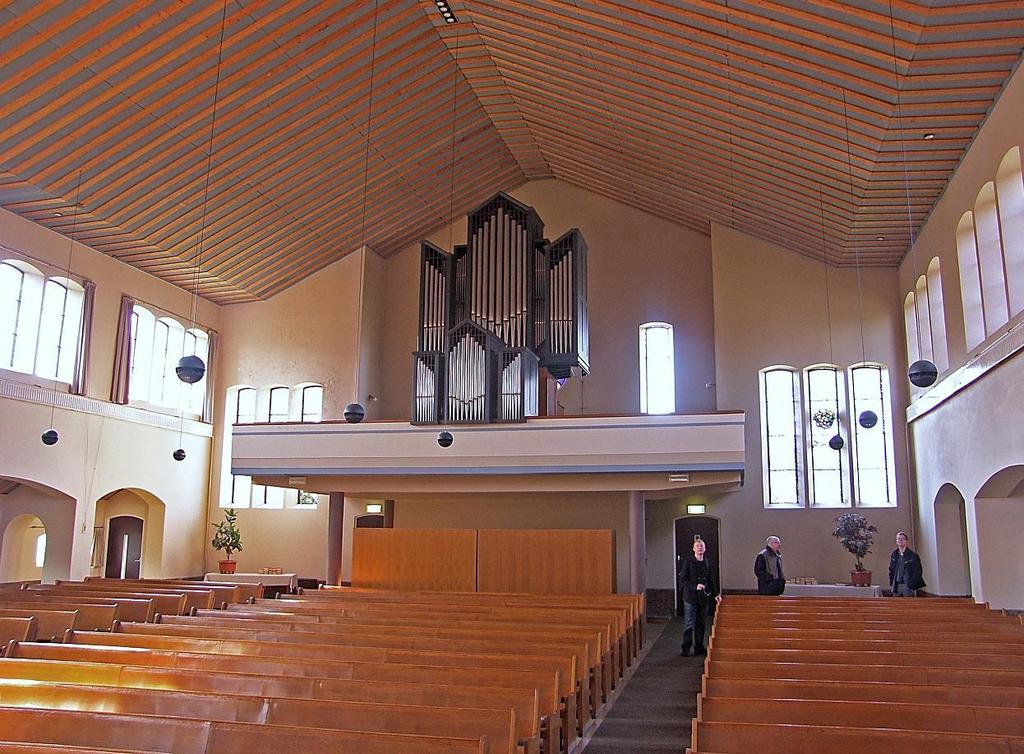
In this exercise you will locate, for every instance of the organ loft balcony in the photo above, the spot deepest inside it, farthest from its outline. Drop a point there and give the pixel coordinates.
(658, 455)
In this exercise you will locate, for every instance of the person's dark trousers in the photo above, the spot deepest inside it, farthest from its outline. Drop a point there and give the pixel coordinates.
(902, 590)
(694, 625)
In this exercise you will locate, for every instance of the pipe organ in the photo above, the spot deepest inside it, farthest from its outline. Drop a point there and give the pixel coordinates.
(493, 313)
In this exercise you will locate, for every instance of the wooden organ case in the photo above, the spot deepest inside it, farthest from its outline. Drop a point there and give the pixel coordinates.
(494, 313)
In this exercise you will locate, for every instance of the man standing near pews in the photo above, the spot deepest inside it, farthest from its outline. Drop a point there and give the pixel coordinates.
(699, 587)
(768, 568)
(905, 576)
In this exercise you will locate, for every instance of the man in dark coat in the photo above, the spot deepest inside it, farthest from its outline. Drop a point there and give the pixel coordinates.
(697, 578)
(768, 568)
(905, 573)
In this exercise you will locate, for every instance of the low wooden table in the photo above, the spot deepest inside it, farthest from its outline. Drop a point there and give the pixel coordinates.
(832, 590)
(273, 583)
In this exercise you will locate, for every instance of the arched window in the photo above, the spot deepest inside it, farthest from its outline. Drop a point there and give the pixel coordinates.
(970, 281)
(990, 257)
(781, 444)
(40, 321)
(158, 343)
(657, 369)
(276, 413)
(910, 324)
(1010, 197)
(924, 327)
(937, 316)
(828, 469)
(312, 408)
(874, 468)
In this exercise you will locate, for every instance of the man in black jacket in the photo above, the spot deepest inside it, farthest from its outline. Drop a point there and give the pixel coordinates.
(768, 568)
(905, 573)
(698, 581)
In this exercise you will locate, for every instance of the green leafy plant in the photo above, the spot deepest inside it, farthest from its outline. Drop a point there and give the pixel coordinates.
(855, 534)
(227, 537)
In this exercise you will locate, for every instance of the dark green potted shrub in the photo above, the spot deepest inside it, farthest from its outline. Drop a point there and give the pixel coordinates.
(227, 538)
(856, 535)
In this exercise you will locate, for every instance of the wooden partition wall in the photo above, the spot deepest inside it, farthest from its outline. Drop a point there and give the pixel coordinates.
(534, 561)
(428, 559)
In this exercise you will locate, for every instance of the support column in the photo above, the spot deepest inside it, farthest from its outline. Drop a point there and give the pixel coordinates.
(389, 514)
(335, 536)
(637, 544)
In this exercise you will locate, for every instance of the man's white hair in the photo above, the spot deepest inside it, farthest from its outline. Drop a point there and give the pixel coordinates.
(771, 539)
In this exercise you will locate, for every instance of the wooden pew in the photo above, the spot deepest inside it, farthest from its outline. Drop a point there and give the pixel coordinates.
(51, 625)
(809, 671)
(172, 603)
(498, 725)
(890, 658)
(185, 736)
(196, 597)
(746, 738)
(89, 616)
(17, 629)
(546, 681)
(224, 594)
(898, 642)
(525, 701)
(129, 608)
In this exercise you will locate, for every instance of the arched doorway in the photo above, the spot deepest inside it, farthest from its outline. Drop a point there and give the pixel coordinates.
(688, 528)
(23, 551)
(952, 556)
(370, 521)
(998, 511)
(129, 535)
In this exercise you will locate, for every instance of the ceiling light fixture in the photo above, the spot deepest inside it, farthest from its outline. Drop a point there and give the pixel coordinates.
(929, 136)
(446, 12)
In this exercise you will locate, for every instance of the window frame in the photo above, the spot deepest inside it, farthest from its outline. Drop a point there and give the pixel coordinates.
(766, 449)
(669, 365)
(885, 424)
(813, 493)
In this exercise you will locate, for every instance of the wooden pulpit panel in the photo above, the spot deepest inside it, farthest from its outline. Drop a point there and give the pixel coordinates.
(434, 559)
(546, 561)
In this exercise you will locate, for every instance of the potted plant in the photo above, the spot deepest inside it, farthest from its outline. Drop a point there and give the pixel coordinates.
(227, 538)
(855, 534)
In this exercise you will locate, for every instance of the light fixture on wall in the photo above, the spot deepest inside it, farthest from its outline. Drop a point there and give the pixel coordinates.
(374, 508)
(51, 437)
(695, 510)
(923, 372)
(191, 368)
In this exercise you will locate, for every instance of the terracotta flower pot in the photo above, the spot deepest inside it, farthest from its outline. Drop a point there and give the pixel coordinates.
(228, 566)
(857, 578)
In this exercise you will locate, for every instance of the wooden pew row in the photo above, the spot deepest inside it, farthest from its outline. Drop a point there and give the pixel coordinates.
(17, 629)
(499, 726)
(935, 718)
(51, 625)
(225, 594)
(469, 643)
(898, 642)
(130, 608)
(152, 733)
(898, 690)
(418, 634)
(171, 601)
(892, 659)
(763, 738)
(524, 701)
(239, 673)
(583, 619)
(89, 616)
(856, 672)
(633, 603)
(320, 653)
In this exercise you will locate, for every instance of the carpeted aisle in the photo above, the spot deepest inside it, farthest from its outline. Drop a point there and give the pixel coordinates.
(654, 710)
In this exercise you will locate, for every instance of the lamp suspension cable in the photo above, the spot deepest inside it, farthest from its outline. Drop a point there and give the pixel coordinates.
(731, 115)
(445, 437)
(853, 209)
(836, 442)
(191, 367)
(51, 436)
(923, 372)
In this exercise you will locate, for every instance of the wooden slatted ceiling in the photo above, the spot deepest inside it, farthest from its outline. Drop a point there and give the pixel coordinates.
(694, 110)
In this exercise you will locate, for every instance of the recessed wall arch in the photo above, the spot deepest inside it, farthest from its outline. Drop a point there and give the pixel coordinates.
(140, 503)
(998, 511)
(23, 499)
(953, 561)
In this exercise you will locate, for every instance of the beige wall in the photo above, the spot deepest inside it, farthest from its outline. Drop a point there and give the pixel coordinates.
(640, 269)
(100, 453)
(537, 511)
(973, 435)
(770, 308)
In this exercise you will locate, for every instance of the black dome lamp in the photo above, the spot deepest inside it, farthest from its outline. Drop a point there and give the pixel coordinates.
(923, 373)
(179, 454)
(190, 369)
(867, 419)
(837, 442)
(354, 413)
(50, 437)
(445, 439)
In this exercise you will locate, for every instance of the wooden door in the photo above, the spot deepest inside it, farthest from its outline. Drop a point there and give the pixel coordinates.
(124, 548)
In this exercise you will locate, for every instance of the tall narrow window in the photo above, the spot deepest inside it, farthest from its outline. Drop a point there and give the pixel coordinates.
(12, 285)
(924, 327)
(277, 412)
(1010, 196)
(241, 410)
(40, 550)
(937, 316)
(990, 257)
(970, 281)
(874, 468)
(828, 469)
(312, 403)
(910, 323)
(158, 343)
(657, 369)
(781, 449)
